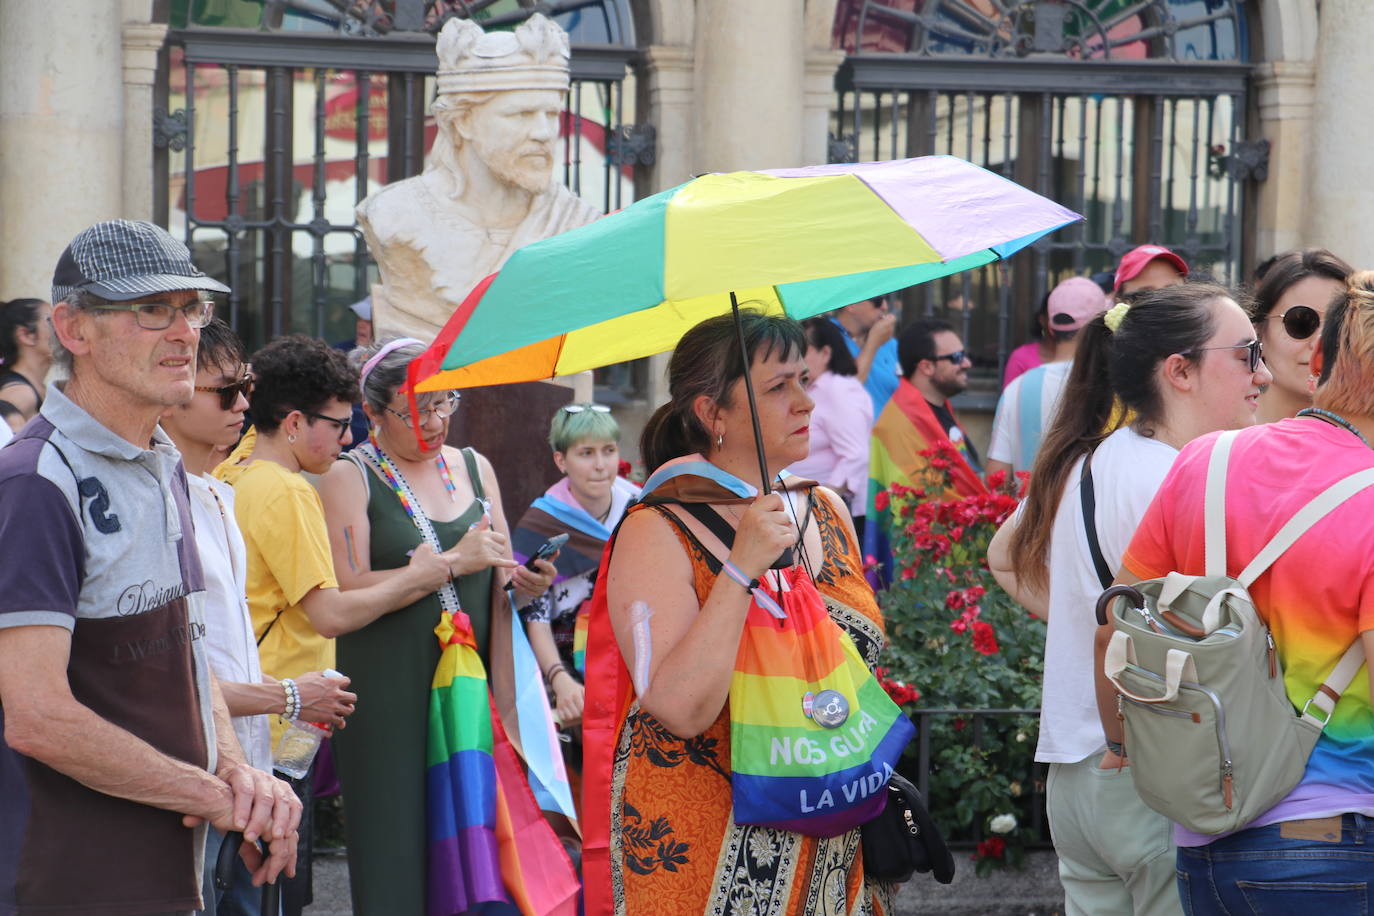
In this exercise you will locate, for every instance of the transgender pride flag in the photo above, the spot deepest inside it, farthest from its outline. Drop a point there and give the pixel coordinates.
(490, 849)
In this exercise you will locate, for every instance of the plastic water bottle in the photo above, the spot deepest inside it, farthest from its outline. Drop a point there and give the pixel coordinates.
(298, 745)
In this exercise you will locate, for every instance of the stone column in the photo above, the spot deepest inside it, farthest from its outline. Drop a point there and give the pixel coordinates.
(750, 74)
(1341, 170)
(1285, 92)
(61, 132)
(666, 101)
(817, 102)
(142, 42)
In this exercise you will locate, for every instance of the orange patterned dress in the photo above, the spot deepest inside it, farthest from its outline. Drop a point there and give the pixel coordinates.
(674, 846)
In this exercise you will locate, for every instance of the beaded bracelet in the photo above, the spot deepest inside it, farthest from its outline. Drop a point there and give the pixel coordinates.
(293, 699)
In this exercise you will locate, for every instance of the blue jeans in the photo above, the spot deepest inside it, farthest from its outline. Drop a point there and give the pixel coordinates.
(1262, 871)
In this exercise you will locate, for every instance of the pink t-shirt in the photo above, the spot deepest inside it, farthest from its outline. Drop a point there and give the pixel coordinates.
(841, 424)
(1022, 359)
(1317, 597)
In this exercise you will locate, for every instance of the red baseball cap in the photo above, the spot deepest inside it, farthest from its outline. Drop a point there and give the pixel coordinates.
(1134, 261)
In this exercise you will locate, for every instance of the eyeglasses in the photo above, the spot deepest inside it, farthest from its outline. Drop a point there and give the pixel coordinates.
(158, 316)
(578, 408)
(957, 357)
(1300, 322)
(341, 424)
(228, 394)
(1255, 356)
(443, 410)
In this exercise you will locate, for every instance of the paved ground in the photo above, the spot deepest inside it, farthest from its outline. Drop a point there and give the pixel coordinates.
(1033, 892)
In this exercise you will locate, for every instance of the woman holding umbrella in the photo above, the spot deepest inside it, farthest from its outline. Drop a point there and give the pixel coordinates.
(660, 832)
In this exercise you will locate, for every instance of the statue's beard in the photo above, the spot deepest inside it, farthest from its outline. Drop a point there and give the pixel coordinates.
(528, 167)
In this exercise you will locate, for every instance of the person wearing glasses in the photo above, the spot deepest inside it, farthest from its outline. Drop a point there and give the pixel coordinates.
(117, 746)
(401, 492)
(935, 368)
(1184, 362)
(1287, 308)
(209, 422)
(587, 505)
(1309, 853)
(301, 400)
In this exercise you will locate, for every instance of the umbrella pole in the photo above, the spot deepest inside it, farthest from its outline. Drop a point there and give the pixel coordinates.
(785, 559)
(749, 390)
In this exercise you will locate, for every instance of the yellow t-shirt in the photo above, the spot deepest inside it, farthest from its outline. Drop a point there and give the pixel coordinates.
(283, 527)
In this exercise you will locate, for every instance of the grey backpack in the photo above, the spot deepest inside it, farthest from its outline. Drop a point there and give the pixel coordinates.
(1212, 738)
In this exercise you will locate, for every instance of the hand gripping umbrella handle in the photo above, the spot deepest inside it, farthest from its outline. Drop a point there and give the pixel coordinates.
(785, 560)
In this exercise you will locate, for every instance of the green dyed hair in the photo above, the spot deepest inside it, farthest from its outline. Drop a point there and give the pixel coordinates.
(568, 429)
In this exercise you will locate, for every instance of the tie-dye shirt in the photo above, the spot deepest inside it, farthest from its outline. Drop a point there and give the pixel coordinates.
(1317, 598)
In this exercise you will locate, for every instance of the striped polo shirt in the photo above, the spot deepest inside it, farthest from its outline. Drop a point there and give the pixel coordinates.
(96, 538)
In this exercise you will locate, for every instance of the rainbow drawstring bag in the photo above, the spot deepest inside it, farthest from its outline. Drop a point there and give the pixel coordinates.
(814, 737)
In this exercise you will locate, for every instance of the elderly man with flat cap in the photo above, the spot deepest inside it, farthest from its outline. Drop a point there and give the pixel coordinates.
(118, 748)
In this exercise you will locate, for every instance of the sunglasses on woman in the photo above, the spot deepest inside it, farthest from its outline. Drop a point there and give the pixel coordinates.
(228, 394)
(1300, 322)
(1253, 358)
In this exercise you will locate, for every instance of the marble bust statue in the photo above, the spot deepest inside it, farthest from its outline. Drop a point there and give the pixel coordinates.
(487, 187)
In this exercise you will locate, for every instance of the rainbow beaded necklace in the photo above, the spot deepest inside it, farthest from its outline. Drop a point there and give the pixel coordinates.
(398, 483)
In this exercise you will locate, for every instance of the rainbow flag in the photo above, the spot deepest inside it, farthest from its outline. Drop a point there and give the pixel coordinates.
(489, 846)
(796, 764)
(906, 427)
(580, 638)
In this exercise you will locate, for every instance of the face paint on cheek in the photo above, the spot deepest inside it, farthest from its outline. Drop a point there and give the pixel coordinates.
(640, 615)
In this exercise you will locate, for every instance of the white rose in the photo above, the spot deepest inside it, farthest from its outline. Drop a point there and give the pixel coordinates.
(1003, 823)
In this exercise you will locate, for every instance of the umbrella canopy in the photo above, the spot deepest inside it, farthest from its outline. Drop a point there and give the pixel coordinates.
(799, 241)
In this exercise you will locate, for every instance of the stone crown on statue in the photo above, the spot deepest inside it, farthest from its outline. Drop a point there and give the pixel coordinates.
(534, 56)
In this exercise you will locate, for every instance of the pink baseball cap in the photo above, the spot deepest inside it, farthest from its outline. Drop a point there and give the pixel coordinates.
(1074, 303)
(1134, 261)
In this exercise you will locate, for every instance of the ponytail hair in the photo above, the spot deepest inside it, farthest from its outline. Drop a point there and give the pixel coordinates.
(1113, 378)
(16, 314)
(1347, 380)
(707, 362)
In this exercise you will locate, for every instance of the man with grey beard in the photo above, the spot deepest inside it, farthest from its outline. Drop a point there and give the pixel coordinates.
(487, 188)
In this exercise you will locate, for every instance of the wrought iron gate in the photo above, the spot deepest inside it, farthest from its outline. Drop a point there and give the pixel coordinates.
(1132, 113)
(265, 141)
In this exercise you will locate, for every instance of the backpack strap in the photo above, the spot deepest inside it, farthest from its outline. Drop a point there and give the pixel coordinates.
(1331, 689)
(1089, 501)
(1029, 417)
(1321, 505)
(1214, 506)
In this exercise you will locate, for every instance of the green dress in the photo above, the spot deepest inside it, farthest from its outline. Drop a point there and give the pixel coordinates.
(380, 755)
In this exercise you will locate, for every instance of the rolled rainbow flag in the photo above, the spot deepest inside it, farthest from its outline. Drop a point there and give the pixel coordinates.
(489, 846)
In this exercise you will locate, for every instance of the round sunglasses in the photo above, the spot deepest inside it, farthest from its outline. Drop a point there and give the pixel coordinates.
(1299, 322)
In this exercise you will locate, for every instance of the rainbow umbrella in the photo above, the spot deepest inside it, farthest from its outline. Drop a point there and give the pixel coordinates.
(794, 241)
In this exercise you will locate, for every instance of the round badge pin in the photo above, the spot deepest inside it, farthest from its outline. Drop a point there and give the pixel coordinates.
(830, 709)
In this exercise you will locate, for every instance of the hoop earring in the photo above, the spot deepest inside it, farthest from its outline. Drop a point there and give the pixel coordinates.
(290, 437)
(720, 440)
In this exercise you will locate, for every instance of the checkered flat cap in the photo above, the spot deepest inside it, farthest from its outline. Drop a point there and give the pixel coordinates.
(122, 259)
